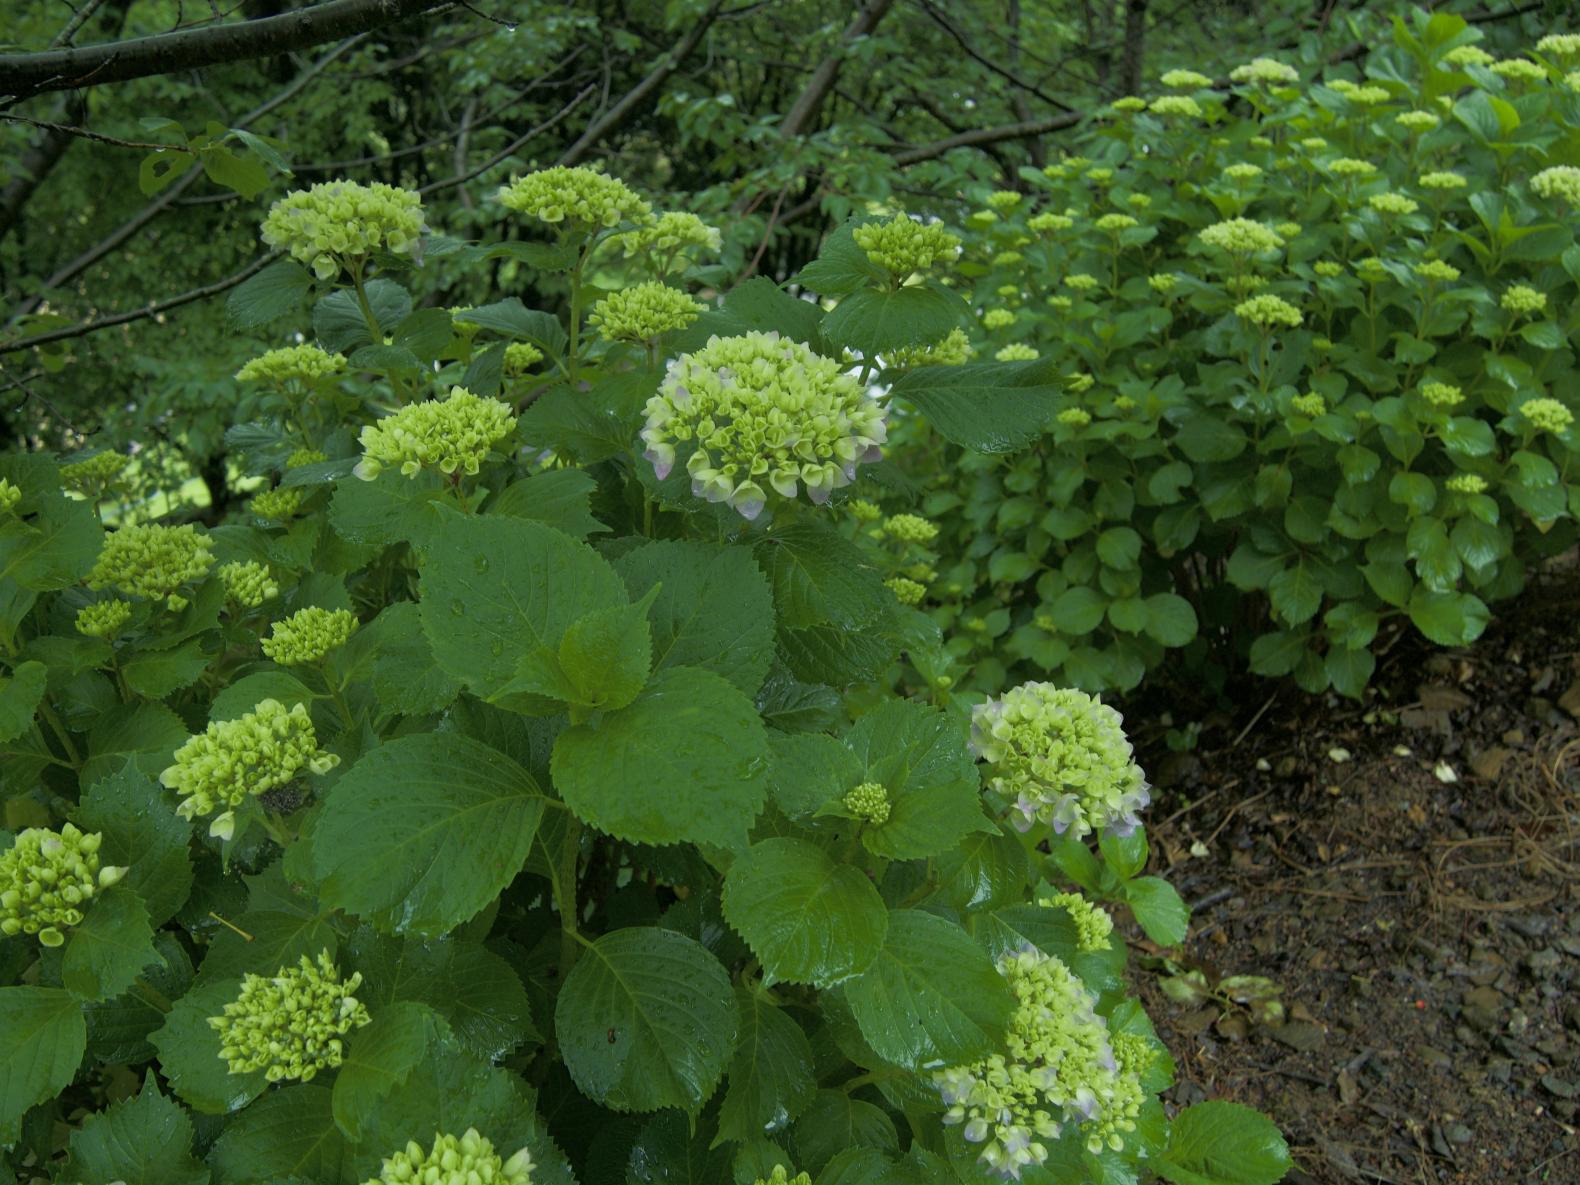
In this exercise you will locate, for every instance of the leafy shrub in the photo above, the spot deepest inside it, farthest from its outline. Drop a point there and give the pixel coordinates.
(1303, 368)
(392, 830)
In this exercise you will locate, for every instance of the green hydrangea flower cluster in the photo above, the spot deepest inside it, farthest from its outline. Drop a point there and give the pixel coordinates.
(1417, 121)
(1060, 757)
(1560, 45)
(1265, 70)
(1392, 203)
(1559, 183)
(468, 1159)
(1310, 404)
(1048, 221)
(1240, 236)
(1437, 271)
(584, 198)
(910, 528)
(1547, 415)
(309, 634)
(1059, 1060)
(1004, 200)
(1467, 483)
(998, 318)
(152, 561)
(1328, 268)
(104, 619)
(903, 245)
(1188, 80)
(1441, 394)
(864, 511)
(10, 496)
(671, 233)
(247, 583)
(1441, 180)
(292, 364)
(1268, 311)
(781, 1176)
(47, 877)
(252, 754)
(1467, 55)
(452, 435)
(954, 350)
(1348, 166)
(1092, 923)
(290, 1025)
(337, 224)
(1242, 172)
(279, 503)
(869, 801)
(1523, 300)
(1082, 282)
(94, 475)
(1181, 105)
(521, 357)
(1519, 70)
(1129, 105)
(1015, 352)
(305, 456)
(763, 413)
(1163, 283)
(1114, 223)
(906, 590)
(644, 312)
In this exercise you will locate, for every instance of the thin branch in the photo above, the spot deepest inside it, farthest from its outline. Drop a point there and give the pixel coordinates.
(980, 137)
(89, 134)
(83, 16)
(513, 146)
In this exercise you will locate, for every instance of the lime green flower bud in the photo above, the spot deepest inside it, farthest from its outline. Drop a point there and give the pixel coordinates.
(1047, 222)
(291, 1024)
(1547, 415)
(1081, 282)
(93, 476)
(1559, 183)
(781, 1176)
(1560, 45)
(1392, 203)
(670, 233)
(1417, 121)
(1519, 70)
(1163, 282)
(1368, 96)
(903, 245)
(1100, 175)
(952, 351)
(152, 561)
(1016, 352)
(1075, 417)
(1268, 311)
(1186, 80)
(1371, 269)
(1139, 201)
(1181, 105)
(305, 456)
(1080, 383)
(1059, 1068)
(452, 435)
(1060, 303)
(762, 414)
(1313, 143)
(644, 312)
(292, 364)
(1008, 258)
(1240, 236)
(521, 357)
(1467, 483)
(1437, 271)
(47, 879)
(309, 634)
(1242, 172)
(869, 801)
(247, 583)
(1311, 404)
(278, 504)
(1467, 55)
(910, 528)
(1092, 923)
(1328, 268)
(467, 1160)
(1114, 223)
(1004, 199)
(1523, 301)
(864, 511)
(1129, 105)
(10, 497)
(1061, 757)
(338, 224)
(1288, 230)
(1441, 394)
(104, 619)
(1348, 166)
(1442, 181)
(1265, 70)
(998, 318)
(252, 754)
(907, 592)
(584, 198)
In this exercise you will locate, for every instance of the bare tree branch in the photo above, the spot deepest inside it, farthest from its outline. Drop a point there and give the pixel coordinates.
(980, 137)
(799, 117)
(117, 61)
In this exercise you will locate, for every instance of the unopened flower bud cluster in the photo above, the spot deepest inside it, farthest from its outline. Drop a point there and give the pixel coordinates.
(869, 801)
(903, 245)
(10, 496)
(299, 364)
(340, 222)
(291, 1024)
(48, 878)
(1268, 311)
(1240, 236)
(582, 197)
(452, 435)
(95, 474)
(103, 619)
(279, 503)
(153, 561)
(309, 634)
(781, 1176)
(247, 583)
(953, 350)
(1092, 923)
(521, 357)
(644, 312)
(468, 1159)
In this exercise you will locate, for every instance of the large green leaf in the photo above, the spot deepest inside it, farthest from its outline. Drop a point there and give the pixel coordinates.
(932, 995)
(770, 1077)
(561, 498)
(290, 1133)
(111, 946)
(379, 1057)
(878, 320)
(20, 694)
(59, 539)
(42, 1039)
(142, 835)
(1159, 909)
(686, 762)
(189, 1052)
(144, 1140)
(646, 1019)
(992, 407)
(819, 577)
(1219, 1143)
(424, 831)
(148, 734)
(806, 918)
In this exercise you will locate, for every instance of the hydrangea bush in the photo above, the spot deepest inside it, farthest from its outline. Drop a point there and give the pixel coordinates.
(525, 787)
(1303, 374)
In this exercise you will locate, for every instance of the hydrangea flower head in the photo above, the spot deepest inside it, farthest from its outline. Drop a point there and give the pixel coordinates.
(452, 435)
(305, 456)
(1242, 172)
(1523, 300)
(1048, 221)
(910, 528)
(582, 198)
(864, 511)
(1560, 183)
(1442, 180)
(761, 414)
(47, 878)
(279, 503)
(1114, 223)
(1265, 70)
(103, 619)
(954, 350)
(644, 312)
(1016, 352)
(1547, 415)
(153, 561)
(298, 364)
(869, 801)
(671, 235)
(1417, 121)
(339, 223)
(1093, 925)
(1240, 236)
(1441, 394)
(1268, 311)
(232, 759)
(291, 1024)
(998, 318)
(1467, 55)
(1074, 417)
(1349, 166)
(1519, 70)
(1560, 45)
(1392, 203)
(1129, 105)
(520, 357)
(307, 635)
(1081, 282)
(1004, 199)
(1467, 483)
(94, 475)
(1059, 1068)
(469, 1159)
(906, 590)
(10, 496)
(1163, 282)
(1061, 757)
(781, 1176)
(247, 583)
(1310, 404)
(1185, 80)
(1437, 271)
(1181, 105)
(903, 245)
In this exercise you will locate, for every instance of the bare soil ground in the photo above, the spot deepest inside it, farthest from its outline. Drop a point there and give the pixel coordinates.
(1385, 949)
